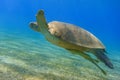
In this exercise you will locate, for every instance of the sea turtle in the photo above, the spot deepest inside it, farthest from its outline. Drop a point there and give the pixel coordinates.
(72, 38)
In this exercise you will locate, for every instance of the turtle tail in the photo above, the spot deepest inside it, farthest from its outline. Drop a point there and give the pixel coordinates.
(100, 54)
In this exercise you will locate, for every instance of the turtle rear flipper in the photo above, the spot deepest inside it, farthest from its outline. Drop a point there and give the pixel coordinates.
(86, 56)
(100, 54)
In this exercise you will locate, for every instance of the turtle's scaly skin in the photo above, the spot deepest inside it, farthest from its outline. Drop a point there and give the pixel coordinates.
(72, 38)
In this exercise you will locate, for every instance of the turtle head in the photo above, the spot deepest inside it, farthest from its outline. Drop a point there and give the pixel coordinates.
(34, 26)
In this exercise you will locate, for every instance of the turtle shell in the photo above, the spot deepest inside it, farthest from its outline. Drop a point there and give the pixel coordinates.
(74, 34)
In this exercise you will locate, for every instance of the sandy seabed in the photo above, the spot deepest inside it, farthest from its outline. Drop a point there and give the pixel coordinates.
(29, 57)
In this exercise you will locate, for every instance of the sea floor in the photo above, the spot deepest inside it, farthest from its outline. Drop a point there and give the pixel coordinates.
(30, 57)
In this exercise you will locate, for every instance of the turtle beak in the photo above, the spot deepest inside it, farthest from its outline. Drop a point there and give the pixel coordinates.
(34, 26)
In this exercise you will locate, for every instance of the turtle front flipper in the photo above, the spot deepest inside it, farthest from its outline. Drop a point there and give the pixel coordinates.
(86, 56)
(41, 21)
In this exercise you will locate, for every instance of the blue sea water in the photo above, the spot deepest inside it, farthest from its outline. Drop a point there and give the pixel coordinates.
(27, 55)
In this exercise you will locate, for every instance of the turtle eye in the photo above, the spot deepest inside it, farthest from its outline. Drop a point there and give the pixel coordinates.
(31, 24)
(34, 26)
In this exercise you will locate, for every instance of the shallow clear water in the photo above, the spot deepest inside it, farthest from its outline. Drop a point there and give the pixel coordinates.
(28, 56)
